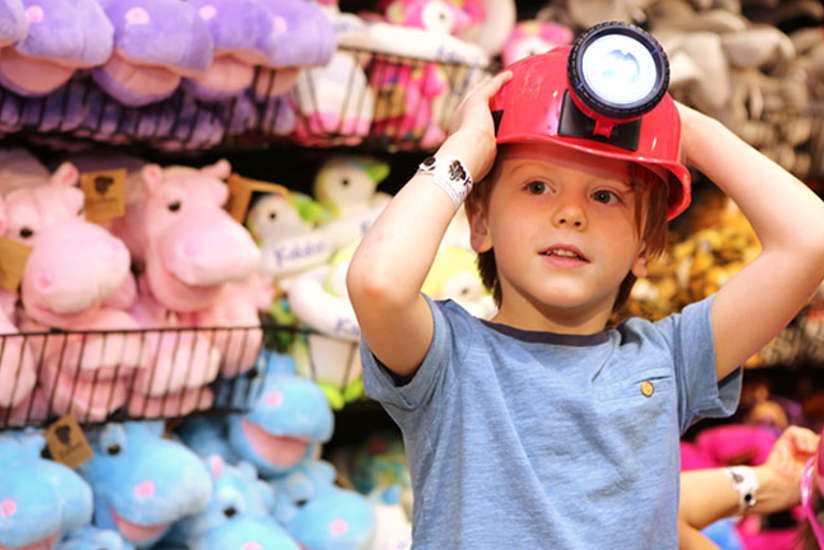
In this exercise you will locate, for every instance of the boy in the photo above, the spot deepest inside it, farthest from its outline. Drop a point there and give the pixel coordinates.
(542, 428)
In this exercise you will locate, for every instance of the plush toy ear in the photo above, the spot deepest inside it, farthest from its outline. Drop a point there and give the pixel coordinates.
(66, 174)
(220, 170)
(152, 175)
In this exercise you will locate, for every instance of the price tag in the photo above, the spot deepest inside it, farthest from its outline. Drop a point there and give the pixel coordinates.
(67, 444)
(105, 194)
(13, 258)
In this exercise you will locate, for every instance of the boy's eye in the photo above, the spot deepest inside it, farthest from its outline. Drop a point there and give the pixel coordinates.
(604, 196)
(537, 187)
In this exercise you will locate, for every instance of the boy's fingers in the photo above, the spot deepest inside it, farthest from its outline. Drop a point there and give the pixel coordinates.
(495, 83)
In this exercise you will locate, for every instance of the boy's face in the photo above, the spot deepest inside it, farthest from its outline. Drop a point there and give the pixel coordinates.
(563, 227)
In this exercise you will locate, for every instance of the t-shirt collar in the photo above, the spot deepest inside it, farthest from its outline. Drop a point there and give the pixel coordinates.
(550, 337)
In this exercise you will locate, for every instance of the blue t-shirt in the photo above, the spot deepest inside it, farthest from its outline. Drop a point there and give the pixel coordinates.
(530, 440)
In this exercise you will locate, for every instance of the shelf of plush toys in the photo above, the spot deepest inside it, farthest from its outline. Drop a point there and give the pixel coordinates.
(303, 73)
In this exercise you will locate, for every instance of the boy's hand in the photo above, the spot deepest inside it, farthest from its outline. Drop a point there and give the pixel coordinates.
(781, 475)
(471, 129)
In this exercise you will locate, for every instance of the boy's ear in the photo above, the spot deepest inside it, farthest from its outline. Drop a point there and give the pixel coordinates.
(479, 236)
(639, 266)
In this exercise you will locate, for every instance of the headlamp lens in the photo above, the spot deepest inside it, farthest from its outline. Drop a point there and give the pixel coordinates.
(619, 69)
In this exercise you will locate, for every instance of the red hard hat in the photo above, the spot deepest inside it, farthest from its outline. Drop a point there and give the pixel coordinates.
(529, 108)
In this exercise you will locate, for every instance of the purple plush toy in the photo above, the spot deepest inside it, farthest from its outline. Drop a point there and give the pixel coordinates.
(63, 35)
(243, 33)
(13, 22)
(156, 42)
(305, 38)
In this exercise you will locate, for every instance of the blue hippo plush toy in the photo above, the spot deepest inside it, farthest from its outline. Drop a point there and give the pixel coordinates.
(320, 515)
(142, 482)
(39, 499)
(90, 537)
(238, 514)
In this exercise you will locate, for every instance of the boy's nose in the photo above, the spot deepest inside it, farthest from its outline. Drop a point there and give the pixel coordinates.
(570, 216)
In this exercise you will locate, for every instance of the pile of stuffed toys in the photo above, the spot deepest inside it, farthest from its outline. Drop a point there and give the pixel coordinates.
(245, 482)
(150, 313)
(188, 74)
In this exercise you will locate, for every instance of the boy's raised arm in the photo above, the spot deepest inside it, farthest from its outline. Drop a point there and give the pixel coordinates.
(788, 218)
(391, 263)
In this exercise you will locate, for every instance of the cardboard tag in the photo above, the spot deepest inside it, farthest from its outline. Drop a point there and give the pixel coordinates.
(390, 102)
(13, 258)
(243, 190)
(66, 442)
(105, 194)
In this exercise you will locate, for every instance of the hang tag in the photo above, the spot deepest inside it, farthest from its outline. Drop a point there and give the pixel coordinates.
(66, 442)
(242, 191)
(390, 101)
(105, 194)
(13, 258)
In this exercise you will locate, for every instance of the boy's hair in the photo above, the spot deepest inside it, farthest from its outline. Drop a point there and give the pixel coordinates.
(650, 221)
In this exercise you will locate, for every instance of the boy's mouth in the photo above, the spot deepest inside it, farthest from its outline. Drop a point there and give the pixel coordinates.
(565, 251)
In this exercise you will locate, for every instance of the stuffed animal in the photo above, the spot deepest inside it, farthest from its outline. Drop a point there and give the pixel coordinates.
(42, 499)
(319, 299)
(393, 530)
(284, 224)
(63, 36)
(189, 245)
(243, 35)
(14, 25)
(319, 515)
(305, 38)
(89, 536)
(336, 103)
(534, 37)
(346, 186)
(183, 362)
(239, 507)
(65, 286)
(156, 42)
(454, 276)
(285, 425)
(143, 483)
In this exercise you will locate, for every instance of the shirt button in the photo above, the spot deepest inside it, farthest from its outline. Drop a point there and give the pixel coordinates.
(647, 388)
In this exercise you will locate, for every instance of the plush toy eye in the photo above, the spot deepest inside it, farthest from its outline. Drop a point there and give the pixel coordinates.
(174, 206)
(229, 511)
(45, 453)
(273, 215)
(26, 232)
(113, 449)
(344, 182)
(301, 503)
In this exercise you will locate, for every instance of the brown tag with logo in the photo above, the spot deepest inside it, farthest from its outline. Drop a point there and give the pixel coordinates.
(13, 258)
(66, 442)
(390, 102)
(242, 191)
(105, 194)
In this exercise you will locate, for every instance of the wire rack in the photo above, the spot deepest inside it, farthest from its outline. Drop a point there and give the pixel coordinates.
(362, 97)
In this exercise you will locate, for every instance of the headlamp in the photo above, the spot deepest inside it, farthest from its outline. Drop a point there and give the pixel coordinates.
(616, 73)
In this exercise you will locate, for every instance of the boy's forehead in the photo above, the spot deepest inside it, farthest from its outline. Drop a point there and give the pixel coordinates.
(515, 154)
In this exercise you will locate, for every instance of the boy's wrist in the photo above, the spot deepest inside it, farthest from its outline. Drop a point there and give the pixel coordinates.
(475, 151)
(775, 492)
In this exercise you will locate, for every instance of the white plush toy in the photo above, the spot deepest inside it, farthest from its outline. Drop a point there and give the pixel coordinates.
(393, 530)
(346, 186)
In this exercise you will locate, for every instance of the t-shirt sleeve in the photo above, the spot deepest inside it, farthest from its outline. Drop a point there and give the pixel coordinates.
(400, 396)
(700, 394)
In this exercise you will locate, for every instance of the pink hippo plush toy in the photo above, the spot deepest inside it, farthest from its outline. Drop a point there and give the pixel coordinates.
(17, 372)
(74, 266)
(183, 363)
(189, 246)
